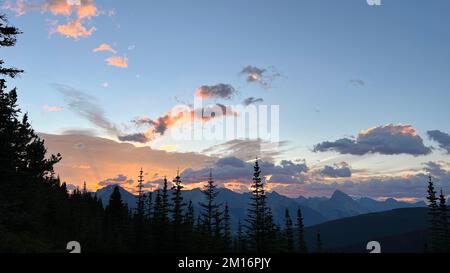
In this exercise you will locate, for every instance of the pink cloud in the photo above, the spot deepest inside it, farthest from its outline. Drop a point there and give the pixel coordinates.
(117, 61)
(104, 47)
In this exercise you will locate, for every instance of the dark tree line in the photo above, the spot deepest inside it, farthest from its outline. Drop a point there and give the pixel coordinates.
(439, 233)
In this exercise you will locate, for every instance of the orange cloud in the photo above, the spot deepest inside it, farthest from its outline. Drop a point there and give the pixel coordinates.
(87, 11)
(117, 61)
(74, 29)
(75, 14)
(104, 47)
(93, 159)
(48, 108)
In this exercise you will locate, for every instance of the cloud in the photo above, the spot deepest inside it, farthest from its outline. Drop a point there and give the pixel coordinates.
(74, 29)
(338, 170)
(117, 61)
(223, 91)
(236, 170)
(442, 138)
(86, 106)
(55, 108)
(387, 140)
(176, 116)
(262, 76)
(118, 180)
(357, 82)
(248, 149)
(76, 14)
(104, 47)
(107, 158)
(252, 100)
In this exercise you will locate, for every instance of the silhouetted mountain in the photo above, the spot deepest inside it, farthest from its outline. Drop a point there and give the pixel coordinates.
(127, 197)
(237, 203)
(353, 233)
(341, 205)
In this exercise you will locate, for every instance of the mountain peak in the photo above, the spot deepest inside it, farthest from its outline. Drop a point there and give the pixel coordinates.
(340, 196)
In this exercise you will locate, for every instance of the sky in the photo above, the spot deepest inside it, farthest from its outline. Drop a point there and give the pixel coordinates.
(362, 90)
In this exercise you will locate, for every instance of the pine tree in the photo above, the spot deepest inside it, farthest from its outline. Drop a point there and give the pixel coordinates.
(139, 216)
(149, 206)
(177, 213)
(301, 243)
(288, 232)
(240, 241)
(260, 228)
(319, 247)
(117, 223)
(140, 206)
(210, 207)
(8, 38)
(165, 203)
(227, 238)
(443, 224)
(433, 213)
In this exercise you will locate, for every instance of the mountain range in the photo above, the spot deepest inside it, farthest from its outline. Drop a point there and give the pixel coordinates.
(316, 210)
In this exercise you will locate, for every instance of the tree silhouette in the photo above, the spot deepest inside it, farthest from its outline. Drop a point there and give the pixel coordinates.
(434, 216)
(288, 232)
(319, 247)
(210, 214)
(301, 244)
(260, 228)
(227, 237)
(8, 37)
(443, 224)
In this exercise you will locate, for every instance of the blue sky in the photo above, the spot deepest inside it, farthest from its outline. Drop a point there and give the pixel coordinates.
(398, 52)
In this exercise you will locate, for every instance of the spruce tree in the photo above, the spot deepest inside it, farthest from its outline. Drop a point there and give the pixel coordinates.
(260, 228)
(8, 37)
(177, 213)
(433, 212)
(227, 238)
(288, 232)
(209, 208)
(443, 224)
(301, 243)
(319, 247)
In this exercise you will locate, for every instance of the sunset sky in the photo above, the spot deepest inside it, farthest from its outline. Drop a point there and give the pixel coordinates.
(363, 91)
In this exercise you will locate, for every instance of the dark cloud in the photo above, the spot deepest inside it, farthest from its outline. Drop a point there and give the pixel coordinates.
(388, 140)
(338, 170)
(357, 82)
(252, 100)
(263, 76)
(86, 106)
(136, 137)
(120, 179)
(235, 169)
(442, 138)
(248, 149)
(221, 90)
(82, 132)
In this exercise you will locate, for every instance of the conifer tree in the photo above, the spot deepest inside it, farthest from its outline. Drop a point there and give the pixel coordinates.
(8, 37)
(260, 228)
(433, 212)
(301, 243)
(288, 232)
(177, 213)
(149, 206)
(165, 206)
(209, 208)
(319, 247)
(443, 224)
(227, 237)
